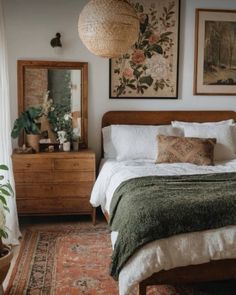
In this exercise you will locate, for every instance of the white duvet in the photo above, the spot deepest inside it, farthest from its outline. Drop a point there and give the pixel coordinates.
(176, 251)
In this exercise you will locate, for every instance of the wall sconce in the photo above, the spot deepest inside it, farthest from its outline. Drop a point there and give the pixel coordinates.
(56, 41)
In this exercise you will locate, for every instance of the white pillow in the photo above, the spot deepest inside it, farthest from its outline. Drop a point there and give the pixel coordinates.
(108, 147)
(130, 142)
(230, 122)
(224, 148)
(181, 124)
(234, 136)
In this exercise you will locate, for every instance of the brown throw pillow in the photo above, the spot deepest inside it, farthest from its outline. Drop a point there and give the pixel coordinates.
(173, 149)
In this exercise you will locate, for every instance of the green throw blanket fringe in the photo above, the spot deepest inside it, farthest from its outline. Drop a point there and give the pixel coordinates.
(154, 207)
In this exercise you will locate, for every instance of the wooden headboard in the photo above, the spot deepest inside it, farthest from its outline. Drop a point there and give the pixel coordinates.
(163, 117)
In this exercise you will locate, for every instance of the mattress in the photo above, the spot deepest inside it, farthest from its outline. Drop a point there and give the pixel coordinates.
(176, 251)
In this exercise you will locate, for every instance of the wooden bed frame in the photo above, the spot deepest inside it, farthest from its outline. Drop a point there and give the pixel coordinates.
(215, 270)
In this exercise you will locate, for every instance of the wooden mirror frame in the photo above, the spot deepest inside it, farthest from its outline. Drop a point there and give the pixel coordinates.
(83, 66)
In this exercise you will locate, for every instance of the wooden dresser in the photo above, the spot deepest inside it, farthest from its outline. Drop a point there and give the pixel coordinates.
(54, 183)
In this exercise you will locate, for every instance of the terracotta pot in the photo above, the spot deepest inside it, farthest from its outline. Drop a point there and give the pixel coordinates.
(33, 141)
(5, 263)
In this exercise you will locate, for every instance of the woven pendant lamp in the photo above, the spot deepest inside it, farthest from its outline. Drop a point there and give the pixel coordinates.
(108, 28)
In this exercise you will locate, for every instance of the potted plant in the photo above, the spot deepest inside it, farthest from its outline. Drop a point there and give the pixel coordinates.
(6, 253)
(60, 120)
(28, 121)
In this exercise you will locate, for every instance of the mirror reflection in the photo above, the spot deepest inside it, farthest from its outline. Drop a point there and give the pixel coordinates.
(58, 92)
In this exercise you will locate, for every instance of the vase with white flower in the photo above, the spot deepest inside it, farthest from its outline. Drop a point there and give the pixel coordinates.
(61, 136)
(61, 123)
(67, 128)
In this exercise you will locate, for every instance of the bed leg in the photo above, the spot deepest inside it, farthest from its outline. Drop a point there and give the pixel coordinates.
(141, 289)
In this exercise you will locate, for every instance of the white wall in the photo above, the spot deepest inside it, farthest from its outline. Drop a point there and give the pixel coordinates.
(30, 25)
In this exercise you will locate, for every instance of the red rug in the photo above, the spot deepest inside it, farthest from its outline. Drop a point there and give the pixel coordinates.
(70, 259)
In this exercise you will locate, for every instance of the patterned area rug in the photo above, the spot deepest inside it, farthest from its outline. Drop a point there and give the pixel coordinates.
(72, 259)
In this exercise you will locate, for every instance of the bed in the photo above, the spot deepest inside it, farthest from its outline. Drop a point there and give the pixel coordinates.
(221, 267)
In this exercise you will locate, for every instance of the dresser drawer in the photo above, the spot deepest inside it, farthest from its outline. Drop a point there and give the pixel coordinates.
(20, 164)
(54, 183)
(73, 177)
(29, 177)
(46, 206)
(56, 176)
(85, 164)
(36, 191)
(82, 189)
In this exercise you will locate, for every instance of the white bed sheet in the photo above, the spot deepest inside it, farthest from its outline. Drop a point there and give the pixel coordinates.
(176, 251)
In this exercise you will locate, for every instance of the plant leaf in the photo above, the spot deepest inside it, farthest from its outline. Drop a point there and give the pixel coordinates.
(4, 191)
(132, 81)
(3, 200)
(18, 126)
(34, 113)
(137, 74)
(131, 86)
(3, 234)
(9, 187)
(3, 167)
(157, 48)
(146, 80)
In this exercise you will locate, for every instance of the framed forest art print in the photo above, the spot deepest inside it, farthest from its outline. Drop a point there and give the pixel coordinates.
(215, 52)
(150, 68)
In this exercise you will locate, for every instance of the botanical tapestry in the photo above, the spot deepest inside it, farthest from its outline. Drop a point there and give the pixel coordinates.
(149, 69)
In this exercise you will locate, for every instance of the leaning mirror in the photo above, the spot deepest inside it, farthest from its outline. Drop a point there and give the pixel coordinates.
(60, 89)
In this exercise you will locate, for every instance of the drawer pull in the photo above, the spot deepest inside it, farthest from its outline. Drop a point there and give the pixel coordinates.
(28, 165)
(76, 165)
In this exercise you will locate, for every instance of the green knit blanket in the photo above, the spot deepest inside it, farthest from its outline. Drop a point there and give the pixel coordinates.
(154, 207)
